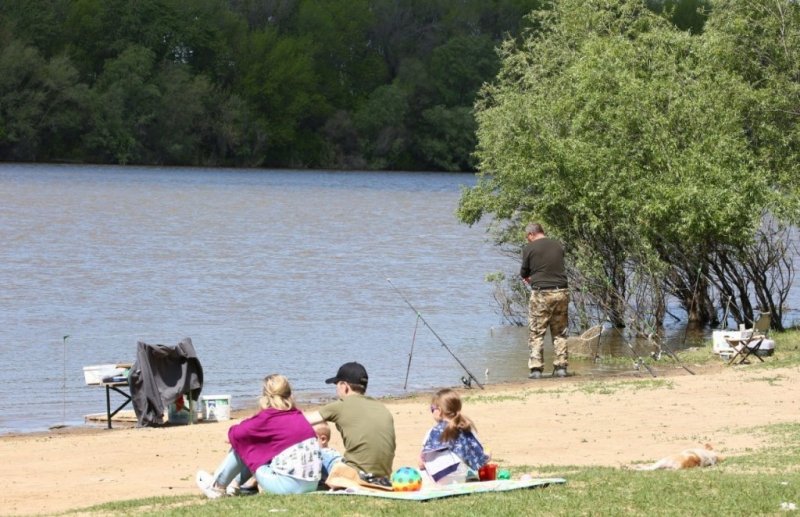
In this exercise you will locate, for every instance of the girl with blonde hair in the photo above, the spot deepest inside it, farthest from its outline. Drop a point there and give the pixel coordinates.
(451, 451)
(277, 445)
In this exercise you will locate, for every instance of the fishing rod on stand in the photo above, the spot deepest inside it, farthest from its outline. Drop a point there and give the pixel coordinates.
(638, 362)
(420, 318)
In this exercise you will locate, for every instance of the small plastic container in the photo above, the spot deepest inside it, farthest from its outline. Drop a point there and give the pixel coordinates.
(216, 408)
(488, 472)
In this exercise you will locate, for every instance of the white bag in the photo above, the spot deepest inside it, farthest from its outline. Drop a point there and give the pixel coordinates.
(444, 466)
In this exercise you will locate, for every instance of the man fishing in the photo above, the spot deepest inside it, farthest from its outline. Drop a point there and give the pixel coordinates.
(544, 271)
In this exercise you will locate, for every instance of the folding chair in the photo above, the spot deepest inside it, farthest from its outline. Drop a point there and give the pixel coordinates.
(744, 347)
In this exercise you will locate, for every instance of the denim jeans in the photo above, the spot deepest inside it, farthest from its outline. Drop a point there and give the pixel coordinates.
(329, 458)
(232, 467)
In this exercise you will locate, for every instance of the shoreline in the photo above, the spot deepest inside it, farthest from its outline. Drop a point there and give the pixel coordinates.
(576, 421)
(244, 412)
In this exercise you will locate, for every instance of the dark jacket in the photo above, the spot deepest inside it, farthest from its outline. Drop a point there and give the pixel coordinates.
(160, 375)
(543, 263)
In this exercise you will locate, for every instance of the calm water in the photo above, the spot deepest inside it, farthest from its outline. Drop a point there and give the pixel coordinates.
(266, 271)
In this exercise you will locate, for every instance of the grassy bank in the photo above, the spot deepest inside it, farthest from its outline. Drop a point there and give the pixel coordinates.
(752, 482)
(755, 483)
(787, 353)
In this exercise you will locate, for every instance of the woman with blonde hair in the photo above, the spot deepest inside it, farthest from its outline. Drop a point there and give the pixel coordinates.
(277, 445)
(451, 451)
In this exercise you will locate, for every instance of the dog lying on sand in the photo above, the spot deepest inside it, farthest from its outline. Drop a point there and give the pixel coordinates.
(687, 459)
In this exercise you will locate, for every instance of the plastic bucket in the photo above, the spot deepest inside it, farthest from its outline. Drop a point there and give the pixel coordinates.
(182, 415)
(216, 407)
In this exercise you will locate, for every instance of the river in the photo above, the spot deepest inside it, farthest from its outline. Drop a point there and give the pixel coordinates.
(265, 270)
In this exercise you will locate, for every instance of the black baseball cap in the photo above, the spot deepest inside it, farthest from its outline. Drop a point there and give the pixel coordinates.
(353, 373)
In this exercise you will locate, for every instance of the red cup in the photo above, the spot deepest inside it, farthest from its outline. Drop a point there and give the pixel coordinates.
(488, 472)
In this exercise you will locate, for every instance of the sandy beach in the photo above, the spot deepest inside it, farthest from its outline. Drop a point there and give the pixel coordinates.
(573, 421)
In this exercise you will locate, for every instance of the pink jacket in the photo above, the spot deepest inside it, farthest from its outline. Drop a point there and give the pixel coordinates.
(258, 439)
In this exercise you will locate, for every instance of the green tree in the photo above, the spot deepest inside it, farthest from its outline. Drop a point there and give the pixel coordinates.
(688, 15)
(42, 105)
(759, 41)
(182, 120)
(125, 106)
(459, 67)
(281, 85)
(348, 67)
(607, 127)
(445, 138)
(100, 30)
(21, 101)
(251, 82)
(37, 23)
(383, 117)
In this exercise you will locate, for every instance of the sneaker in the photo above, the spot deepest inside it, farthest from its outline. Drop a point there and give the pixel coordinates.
(249, 490)
(536, 373)
(205, 482)
(560, 372)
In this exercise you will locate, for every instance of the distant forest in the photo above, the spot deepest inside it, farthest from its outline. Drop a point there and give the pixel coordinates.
(340, 84)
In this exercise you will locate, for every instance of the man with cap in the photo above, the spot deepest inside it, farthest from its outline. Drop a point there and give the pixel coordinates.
(366, 426)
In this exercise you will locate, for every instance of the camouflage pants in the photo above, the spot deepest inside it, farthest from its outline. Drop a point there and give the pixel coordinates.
(548, 309)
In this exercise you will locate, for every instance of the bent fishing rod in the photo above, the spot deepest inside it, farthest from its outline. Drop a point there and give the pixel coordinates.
(419, 316)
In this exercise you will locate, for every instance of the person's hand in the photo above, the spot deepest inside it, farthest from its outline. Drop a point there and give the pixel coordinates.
(421, 463)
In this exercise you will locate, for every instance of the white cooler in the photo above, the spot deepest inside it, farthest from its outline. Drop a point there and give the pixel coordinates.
(721, 346)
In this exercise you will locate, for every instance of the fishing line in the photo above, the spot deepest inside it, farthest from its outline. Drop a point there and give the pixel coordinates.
(419, 316)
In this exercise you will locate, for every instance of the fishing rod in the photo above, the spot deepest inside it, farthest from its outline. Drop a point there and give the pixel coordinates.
(662, 344)
(419, 316)
(727, 308)
(671, 353)
(691, 306)
(411, 354)
(639, 362)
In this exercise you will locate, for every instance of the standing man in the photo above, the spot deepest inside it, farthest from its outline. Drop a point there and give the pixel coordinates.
(544, 271)
(366, 425)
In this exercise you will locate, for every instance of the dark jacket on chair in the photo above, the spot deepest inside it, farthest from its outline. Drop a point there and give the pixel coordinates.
(160, 375)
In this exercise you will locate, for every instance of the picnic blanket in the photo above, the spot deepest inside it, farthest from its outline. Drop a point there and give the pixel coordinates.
(437, 492)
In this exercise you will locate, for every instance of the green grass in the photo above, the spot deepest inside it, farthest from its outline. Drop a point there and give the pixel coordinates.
(787, 353)
(611, 387)
(774, 380)
(607, 387)
(505, 397)
(754, 483)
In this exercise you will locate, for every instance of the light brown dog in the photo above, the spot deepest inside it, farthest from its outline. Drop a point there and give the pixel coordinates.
(687, 459)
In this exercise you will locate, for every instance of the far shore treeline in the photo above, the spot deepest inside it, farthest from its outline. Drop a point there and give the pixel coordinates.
(344, 84)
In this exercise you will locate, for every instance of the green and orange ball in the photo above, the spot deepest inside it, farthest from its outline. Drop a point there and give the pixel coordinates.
(406, 479)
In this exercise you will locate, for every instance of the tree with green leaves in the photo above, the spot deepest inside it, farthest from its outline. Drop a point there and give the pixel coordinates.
(261, 82)
(607, 126)
(42, 105)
